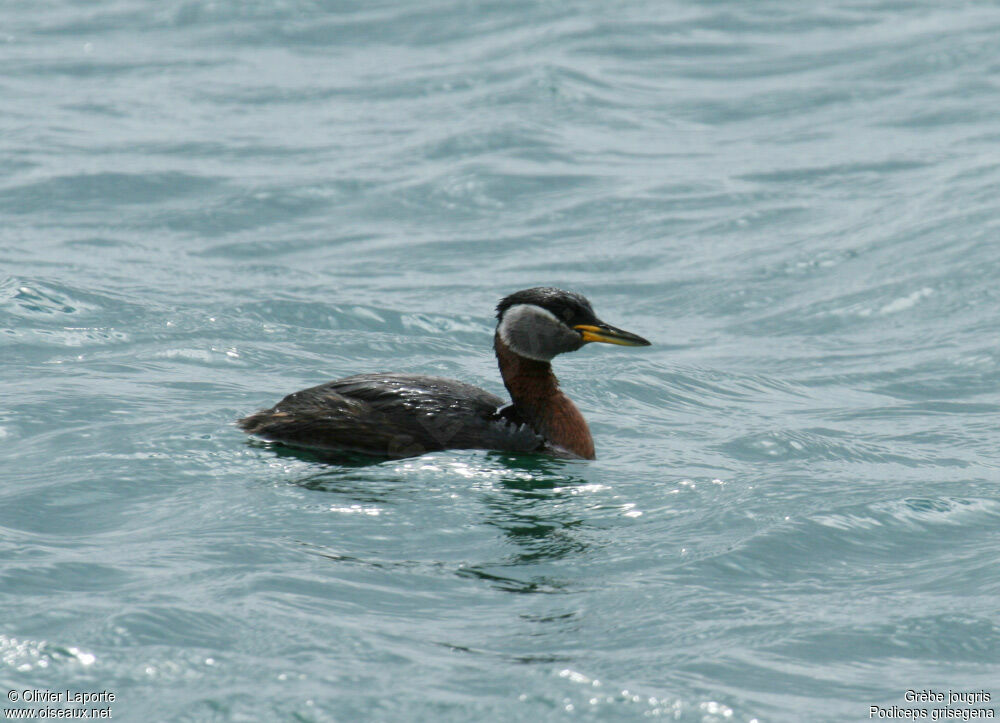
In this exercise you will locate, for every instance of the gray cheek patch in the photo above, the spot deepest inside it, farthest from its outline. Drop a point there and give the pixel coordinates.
(535, 333)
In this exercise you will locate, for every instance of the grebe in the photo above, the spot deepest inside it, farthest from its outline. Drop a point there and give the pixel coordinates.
(404, 415)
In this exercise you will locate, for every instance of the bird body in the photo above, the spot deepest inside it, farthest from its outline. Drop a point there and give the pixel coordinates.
(394, 415)
(404, 415)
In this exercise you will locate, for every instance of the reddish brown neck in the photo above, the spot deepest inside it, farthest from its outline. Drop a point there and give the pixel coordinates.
(535, 392)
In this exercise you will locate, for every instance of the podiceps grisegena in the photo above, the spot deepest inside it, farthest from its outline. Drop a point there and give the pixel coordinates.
(404, 415)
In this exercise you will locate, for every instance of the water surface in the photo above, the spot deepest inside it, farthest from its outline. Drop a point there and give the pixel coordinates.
(208, 204)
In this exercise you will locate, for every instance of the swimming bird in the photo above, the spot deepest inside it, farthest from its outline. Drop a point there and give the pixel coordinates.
(405, 415)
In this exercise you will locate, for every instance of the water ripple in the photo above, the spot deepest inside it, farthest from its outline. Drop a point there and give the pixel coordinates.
(211, 203)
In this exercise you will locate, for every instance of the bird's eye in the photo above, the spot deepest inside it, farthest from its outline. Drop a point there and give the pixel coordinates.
(567, 314)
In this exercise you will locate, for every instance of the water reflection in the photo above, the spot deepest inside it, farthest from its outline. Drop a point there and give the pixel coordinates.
(538, 504)
(532, 504)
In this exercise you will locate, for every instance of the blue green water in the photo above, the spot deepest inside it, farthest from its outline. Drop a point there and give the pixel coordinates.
(207, 204)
